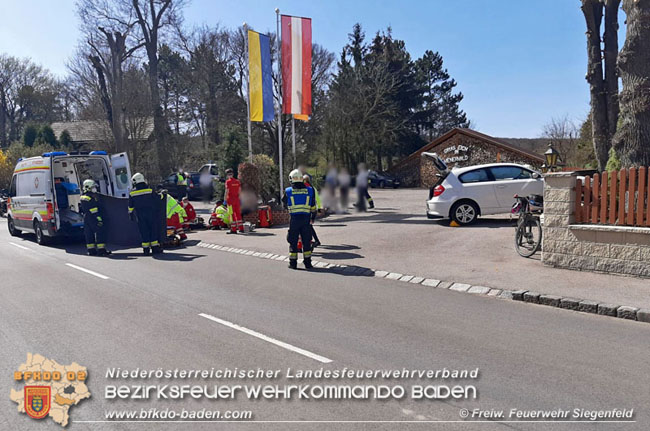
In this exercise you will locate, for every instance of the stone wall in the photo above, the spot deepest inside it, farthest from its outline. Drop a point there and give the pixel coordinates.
(586, 247)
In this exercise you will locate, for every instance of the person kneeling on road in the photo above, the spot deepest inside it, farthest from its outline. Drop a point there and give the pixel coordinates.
(144, 204)
(220, 217)
(301, 202)
(94, 230)
(191, 218)
(175, 217)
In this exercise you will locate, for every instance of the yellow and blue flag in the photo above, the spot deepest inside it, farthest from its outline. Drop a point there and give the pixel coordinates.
(260, 84)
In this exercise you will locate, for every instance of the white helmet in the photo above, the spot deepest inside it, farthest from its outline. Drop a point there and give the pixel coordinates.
(295, 176)
(89, 185)
(137, 179)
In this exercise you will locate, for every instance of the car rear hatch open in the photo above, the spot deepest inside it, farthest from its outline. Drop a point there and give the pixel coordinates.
(441, 167)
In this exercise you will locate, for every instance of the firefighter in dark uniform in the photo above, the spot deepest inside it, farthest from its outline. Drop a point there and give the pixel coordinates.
(301, 202)
(94, 230)
(143, 203)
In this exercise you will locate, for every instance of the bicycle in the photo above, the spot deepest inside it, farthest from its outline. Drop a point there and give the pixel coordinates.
(528, 233)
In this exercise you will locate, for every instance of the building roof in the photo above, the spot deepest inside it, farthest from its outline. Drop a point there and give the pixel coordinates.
(94, 131)
(473, 134)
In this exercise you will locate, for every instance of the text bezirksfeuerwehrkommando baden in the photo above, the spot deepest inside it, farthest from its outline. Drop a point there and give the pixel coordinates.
(289, 373)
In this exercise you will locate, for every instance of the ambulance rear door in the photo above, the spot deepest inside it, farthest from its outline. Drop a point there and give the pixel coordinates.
(120, 175)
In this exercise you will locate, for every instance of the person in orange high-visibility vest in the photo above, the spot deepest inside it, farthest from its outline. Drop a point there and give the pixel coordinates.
(233, 187)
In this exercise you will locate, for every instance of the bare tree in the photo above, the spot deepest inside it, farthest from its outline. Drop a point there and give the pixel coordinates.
(632, 142)
(152, 16)
(603, 85)
(27, 93)
(109, 34)
(563, 134)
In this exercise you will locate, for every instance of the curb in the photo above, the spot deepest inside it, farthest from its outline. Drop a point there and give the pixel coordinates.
(568, 303)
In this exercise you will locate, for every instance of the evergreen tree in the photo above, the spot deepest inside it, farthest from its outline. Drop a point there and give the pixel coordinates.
(440, 111)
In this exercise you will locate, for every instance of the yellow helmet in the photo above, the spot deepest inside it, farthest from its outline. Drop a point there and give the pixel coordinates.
(295, 176)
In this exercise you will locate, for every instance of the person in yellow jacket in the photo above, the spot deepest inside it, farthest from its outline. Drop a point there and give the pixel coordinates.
(175, 216)
(220, 217)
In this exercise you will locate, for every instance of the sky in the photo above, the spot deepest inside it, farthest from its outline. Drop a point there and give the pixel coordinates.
(519, 63)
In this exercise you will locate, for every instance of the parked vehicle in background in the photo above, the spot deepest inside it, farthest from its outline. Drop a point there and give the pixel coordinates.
(211, 169)
(44, 195)
(382, 180)
(463, 194)
(193, 188)
(4, 196)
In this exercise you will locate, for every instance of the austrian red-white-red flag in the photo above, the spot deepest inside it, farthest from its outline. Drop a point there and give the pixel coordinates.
(296, 65)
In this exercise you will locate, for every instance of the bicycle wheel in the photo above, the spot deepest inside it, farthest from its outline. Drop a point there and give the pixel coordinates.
(528, 237)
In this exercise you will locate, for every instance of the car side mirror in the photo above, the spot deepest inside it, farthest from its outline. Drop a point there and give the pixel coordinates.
(536, 175)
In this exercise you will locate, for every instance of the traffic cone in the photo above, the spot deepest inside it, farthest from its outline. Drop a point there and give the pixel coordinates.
(454, 224)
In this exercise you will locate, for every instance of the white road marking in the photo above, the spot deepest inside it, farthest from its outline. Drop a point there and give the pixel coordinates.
(282, 344)
(87, 271)
(20, 246)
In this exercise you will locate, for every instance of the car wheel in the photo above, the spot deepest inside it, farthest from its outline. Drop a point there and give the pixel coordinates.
(12, 228)
(464, 212)
(382, 184)
(41, 239)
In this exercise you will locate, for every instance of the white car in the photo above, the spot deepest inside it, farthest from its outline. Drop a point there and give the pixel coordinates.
(462, 194)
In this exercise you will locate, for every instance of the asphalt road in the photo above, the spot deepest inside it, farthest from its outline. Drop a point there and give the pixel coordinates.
(145, 312)
(396, 236)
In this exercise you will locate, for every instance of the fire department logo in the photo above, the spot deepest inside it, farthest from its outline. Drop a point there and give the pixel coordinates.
(37, 401)
(36, 182)
(50, 389)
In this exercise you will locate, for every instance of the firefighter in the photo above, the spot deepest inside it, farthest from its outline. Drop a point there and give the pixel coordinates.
(143, 203)
(175, 216)
(301, 202)
(94, 229)
(233, 187)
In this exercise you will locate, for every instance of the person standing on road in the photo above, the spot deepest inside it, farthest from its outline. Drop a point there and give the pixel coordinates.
(181, 182)
(233, 187)
(205, 181)
(301, 202)
(362, 189)
(94, 229)
(319, 208)
(143, 204)
(344, 187)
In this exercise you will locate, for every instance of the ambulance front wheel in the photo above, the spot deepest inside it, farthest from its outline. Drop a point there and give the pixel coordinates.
(12, 228)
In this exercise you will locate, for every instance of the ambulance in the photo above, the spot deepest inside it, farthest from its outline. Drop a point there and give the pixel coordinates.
(44, 196)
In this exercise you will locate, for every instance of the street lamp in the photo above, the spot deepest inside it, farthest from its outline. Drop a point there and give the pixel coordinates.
(551, 155)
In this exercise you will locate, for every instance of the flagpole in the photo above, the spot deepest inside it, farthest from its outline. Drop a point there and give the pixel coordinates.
(277, 35)
(293, 139)
(248, 97)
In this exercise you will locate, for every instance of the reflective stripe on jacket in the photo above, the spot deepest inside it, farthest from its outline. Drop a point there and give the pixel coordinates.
(300, 200)
(173, 207)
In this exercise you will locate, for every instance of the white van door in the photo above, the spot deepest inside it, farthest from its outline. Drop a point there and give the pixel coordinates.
(121, 174)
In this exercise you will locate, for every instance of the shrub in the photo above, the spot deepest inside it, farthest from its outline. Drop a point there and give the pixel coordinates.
(46, 136)
(249, 175)
(6, 169)
(29, 135)
(65, 139)
(268, 176)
